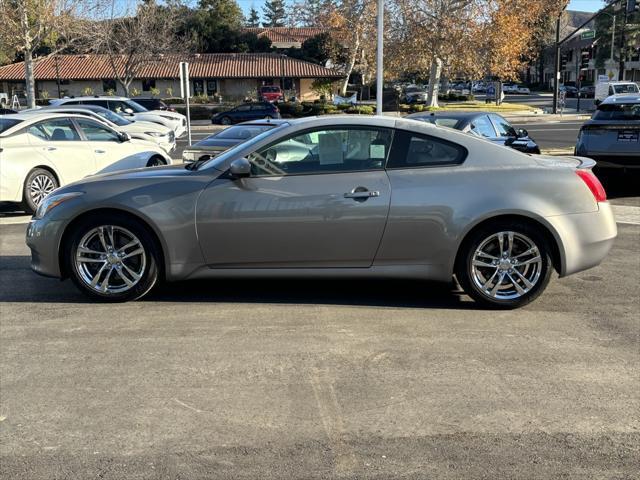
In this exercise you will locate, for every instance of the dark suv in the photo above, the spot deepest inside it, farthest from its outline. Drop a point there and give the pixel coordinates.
(245, 112)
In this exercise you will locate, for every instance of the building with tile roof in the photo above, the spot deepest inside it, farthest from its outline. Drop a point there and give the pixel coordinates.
(227, 74)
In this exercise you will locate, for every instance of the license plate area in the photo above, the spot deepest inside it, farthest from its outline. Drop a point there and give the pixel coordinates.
(627, 136)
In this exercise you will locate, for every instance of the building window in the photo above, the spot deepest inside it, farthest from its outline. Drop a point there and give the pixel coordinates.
(212, 87)
(148, 84)
(288, 84)
(108, 85)
(64, 81)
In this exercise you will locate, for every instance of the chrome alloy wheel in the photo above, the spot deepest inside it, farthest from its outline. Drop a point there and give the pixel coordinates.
(110, 259)
(506, 265)
(40, 187)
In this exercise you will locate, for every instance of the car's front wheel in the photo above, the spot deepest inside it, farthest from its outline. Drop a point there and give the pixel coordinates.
(112, 259)
(225, 121)
(38, 184)
(505, 265)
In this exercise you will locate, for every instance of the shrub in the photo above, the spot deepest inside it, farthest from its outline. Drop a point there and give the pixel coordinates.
(343, 106)
(361, 109)
(87, 91)
(169, 92)
(134, 92)
(155, 92)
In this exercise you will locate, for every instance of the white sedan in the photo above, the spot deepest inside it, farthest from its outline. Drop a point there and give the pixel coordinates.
(129, 108)
(40, 152)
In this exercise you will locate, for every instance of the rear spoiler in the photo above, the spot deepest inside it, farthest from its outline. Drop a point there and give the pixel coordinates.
(585, 163)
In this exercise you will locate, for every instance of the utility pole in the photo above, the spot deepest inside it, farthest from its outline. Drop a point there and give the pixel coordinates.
(556, 69)
(55, 60)
(380, 58)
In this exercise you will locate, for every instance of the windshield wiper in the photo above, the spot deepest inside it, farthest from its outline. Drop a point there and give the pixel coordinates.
(195, 165)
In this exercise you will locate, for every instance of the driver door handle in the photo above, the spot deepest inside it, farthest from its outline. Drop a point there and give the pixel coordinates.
(100, 151)
(362, 194)
(50, 149)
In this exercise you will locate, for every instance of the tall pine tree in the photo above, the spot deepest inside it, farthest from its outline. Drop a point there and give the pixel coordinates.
(253, 20)
(274, 13)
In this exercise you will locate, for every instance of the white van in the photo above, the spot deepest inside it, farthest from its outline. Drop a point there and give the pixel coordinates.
(606, 89)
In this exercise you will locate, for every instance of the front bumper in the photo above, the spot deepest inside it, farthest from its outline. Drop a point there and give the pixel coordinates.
(585, 239)
(43, 239)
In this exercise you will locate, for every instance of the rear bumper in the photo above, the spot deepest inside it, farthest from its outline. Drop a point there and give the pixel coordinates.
(585, 239)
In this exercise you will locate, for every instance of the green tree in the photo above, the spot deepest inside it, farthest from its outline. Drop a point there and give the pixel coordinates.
(253, 20)
(274, 13)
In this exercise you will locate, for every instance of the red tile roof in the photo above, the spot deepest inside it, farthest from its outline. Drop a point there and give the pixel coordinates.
(206, 65)
(287, 34)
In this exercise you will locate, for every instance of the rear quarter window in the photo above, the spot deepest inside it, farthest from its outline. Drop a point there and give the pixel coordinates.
(412, 150)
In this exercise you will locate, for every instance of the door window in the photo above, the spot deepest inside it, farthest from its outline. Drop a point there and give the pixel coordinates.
(242, 108)
(59, 130)
(97, 133)
(481, 126)
(412, 150)
(324, 151)
(503, 127)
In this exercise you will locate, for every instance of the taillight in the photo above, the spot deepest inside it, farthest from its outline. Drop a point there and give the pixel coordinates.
(594, 184)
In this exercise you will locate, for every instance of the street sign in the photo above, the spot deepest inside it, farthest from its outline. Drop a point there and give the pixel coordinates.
(588, 34)
(603, 78)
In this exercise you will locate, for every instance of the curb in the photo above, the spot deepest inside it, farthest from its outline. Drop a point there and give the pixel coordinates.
(557, 151)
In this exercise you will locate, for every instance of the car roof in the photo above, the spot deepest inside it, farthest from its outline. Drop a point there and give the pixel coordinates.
(464, 115)
(85, 106)
(274, 122)
(624, 98)
(87, 97)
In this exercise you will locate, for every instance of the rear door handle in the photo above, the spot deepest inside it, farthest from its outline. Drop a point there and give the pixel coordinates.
(100, 151)
(50, 149)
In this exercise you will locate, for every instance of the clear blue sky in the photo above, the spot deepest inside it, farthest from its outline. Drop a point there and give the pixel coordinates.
(586, 5)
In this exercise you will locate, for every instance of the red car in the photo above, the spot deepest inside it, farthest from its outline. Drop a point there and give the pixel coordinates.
(270, 94)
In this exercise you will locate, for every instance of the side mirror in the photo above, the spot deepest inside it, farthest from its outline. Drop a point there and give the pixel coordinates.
(522, 133)
(128, 111)
(124, 136)
(240, 168)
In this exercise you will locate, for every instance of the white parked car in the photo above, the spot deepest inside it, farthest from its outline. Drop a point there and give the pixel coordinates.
(152, 132)
(607, 89)
(129, 108)
(40, 152)
(523, 90)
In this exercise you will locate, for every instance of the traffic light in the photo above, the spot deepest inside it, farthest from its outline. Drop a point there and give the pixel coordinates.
(563, 61)
(585, 56)
(633, 6)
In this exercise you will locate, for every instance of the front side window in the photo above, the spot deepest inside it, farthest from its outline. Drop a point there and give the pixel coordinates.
(58, 130)
(97, 133)
(324, 151)
(412, 150)
(242, 108)
(625, 88)
(481, 126)
(503, 127)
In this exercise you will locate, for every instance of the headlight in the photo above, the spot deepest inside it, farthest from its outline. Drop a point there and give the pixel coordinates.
(188, 156)
(154, 134)
(52, 201)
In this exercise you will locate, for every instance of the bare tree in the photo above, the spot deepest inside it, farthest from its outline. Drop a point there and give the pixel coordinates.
(28, 25)
(132, 42)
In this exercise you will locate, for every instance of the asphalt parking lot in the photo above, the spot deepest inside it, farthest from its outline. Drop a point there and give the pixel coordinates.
(273, 379)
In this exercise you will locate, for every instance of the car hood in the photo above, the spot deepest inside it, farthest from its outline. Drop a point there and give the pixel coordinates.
(141, 126)
(166, 114)
(215, 145)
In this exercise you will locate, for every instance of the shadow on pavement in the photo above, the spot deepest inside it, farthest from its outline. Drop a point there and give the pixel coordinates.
(19, 284)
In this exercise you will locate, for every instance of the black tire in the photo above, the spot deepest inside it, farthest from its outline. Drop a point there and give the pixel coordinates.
(38, 182)
(156, 161)
(470, 277)
(148, 269)
(225, 121)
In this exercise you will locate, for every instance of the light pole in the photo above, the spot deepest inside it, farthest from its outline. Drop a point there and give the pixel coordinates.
(380, 58)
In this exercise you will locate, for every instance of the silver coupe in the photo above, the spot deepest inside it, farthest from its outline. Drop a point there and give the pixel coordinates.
(343, 196)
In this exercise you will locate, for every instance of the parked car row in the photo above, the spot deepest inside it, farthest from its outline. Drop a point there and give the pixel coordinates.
(41, 151)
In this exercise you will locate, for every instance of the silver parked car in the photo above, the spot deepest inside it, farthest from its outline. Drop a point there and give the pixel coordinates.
(333, 196)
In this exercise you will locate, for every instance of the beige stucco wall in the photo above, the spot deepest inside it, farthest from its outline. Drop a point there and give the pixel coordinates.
(305, 89)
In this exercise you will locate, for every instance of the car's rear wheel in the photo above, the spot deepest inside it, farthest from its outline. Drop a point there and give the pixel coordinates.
(38, 184)
(112, 259)
(505, 265)
(225, 121)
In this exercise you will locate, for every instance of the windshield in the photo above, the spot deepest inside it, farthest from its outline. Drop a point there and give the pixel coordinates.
(136, 107)
(619, 111)
(216, 162)
(7, 123)
(239, 132)
(626, 88)
(113, 117)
